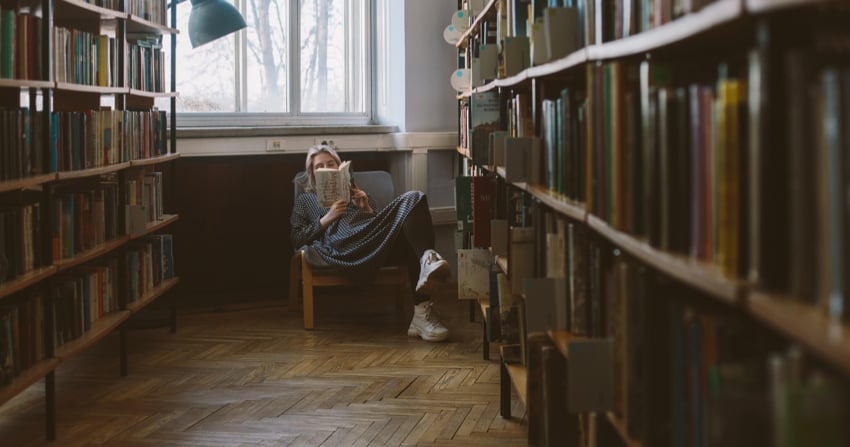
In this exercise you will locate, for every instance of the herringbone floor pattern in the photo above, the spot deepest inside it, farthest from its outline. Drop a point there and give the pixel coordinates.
(253, 377)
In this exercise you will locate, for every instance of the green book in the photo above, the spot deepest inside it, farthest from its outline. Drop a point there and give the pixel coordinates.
(463, 203)
(7, 44)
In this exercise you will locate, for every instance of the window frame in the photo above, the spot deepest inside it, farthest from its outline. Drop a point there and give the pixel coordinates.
(368, 47)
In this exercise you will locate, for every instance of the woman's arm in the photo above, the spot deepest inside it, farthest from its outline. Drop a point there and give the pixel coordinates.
(305, 223)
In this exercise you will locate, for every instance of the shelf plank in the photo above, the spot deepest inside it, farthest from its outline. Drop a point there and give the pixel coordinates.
(805, 323)
(704, 276)
(559, 202)
(765, 6)
(136, 24)
(98, 330)
(80, 10)
(620, 427)
(100, 90)
(81, 173)
(502, 263)
(152, 295)
(519, 378)
(713, 15)
(147, 94)
(25, 83)
(88, 255)
(484, 305)
(489, 9)
(155, 160)
(562, 339)
(576, 59)
(28, 377)
(26, 280)
(28, 182)
(154, 226)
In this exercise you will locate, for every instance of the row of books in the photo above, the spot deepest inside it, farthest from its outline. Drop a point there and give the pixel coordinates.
(148, 264)
(85, 58)
(146, 64)
(673, 163)
(22, 335)
(78, 140)
(143, 200)
(77, 300)
(82, 297)
(155, 11)
(20, 49)
(21, 248)
(685, 370)
(114, 5)
(84, 218)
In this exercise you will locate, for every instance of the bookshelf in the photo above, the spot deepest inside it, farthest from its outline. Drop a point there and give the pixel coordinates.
(82, 218)
(673, 227)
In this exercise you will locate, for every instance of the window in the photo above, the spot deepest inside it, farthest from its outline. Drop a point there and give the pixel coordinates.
(297, 62)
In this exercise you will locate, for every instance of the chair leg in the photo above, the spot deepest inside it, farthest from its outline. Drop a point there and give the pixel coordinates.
(307, 286)
(295, 282)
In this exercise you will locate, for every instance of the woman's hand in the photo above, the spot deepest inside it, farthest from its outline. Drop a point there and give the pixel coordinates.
(360, 199)
(335, 212)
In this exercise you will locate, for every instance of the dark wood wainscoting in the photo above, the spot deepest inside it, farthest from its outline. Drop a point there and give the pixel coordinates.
(233, 232)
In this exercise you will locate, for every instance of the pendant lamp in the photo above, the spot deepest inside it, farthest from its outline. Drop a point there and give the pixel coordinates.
(211, 19)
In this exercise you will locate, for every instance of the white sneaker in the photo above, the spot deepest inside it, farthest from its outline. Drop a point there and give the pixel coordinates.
(425, 324)
(432, 267)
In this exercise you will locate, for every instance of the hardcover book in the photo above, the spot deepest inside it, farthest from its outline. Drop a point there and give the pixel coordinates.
(333, 184)
(473, 266)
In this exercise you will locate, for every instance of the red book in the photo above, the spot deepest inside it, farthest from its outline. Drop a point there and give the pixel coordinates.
(483, 191)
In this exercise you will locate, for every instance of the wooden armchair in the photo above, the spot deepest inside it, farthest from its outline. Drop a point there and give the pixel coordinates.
(306, 275)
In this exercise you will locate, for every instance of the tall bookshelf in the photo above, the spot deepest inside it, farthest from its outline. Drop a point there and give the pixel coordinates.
(690, 194)
(83, 226)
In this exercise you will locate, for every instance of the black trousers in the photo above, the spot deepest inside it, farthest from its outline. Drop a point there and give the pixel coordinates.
(416, 237)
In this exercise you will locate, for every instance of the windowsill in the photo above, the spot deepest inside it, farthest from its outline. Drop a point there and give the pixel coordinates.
(268, 131)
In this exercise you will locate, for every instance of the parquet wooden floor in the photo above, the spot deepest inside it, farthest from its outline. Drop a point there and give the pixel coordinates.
(250, 376)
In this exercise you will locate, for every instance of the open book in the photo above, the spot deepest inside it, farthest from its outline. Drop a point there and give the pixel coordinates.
(333, 184)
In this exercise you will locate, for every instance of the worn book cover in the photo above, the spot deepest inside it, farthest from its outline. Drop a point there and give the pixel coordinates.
(473, 267)
(333, 184)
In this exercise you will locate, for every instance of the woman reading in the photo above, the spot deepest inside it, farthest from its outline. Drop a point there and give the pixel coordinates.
(359, 238)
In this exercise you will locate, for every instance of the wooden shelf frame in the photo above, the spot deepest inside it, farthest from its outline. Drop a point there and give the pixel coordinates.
(805, 323)
(697, 274)
(99, 329)
(27, 279)
(27, 182)
(147, 94)
(489, 9)
(25, 83)
(91, 172)
(136, 24)
(155, 160)
(561, 339)
(80, 10)
(519, 379)
(27, 378)
(93, 89)
(689, 26)
(768, 6)
(620, 427)
(40, 274)
(714, 15)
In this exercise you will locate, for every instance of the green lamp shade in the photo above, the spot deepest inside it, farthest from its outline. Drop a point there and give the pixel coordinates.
(211, 19)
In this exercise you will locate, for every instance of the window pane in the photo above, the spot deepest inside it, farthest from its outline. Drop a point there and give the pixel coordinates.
(205, 75)
(332, 57)
(266, 58)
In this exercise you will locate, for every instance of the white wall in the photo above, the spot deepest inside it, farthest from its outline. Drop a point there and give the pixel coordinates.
(419, 64)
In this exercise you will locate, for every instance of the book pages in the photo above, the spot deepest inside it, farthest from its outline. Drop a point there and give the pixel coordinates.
(333, 184)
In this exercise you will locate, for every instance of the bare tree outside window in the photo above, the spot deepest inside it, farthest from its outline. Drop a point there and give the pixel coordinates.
(252, 72)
